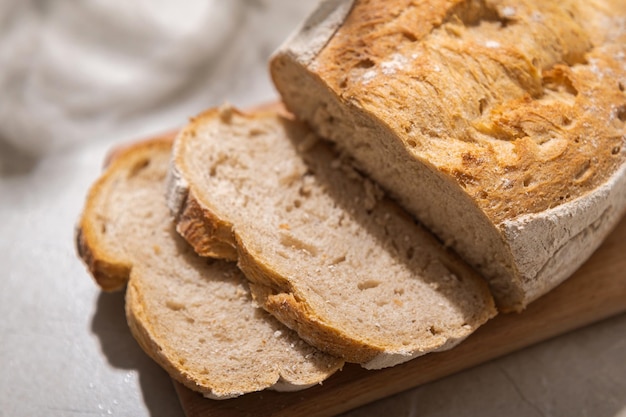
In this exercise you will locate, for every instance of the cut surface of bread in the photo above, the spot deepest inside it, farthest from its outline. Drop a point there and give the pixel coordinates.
(500, 124)
(195, 317)
(326, 253)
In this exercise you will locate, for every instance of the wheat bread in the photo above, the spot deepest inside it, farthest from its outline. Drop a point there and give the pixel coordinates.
(325, 251)
(500, 124)
(195, 317)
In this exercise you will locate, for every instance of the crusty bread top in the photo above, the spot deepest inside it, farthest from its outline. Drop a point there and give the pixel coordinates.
(327, 253)
(196, 318)
(522, 102)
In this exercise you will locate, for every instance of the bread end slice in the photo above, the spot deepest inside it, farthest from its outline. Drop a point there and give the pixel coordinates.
(109, 275)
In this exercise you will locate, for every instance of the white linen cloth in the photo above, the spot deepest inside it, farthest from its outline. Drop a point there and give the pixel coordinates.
(77, 70)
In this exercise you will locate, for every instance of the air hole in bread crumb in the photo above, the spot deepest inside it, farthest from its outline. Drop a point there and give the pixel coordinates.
(528, 180)
(369, 284)
(202, 340)
(620, 112)
(620, 85)
(103, 228)
(365, 63)
(291, 241)
(409, 36)
(174, 305)
(411, 143)
(434, 330)
(297, 203)
(338, 260)
(615, 150)
(566, 121)
(138, 167)
(482, 105)
(256, 132)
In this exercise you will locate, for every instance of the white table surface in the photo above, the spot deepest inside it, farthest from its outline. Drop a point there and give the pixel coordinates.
(65, 349)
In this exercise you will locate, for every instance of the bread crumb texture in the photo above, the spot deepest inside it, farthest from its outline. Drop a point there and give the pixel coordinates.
(524, 99)
(328, 254)
(193, 316)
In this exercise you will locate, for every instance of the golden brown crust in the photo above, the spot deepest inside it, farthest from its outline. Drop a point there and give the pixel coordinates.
(294, 314)
(208, 234)
(521, 103)
(119, 150)
(110, 275)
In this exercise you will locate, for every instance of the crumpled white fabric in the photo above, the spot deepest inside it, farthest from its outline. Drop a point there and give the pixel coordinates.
(72, 71)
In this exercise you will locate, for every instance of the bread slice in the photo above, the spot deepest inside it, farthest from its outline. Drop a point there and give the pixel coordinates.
(500, 124)
(327, 254)
(195, 317)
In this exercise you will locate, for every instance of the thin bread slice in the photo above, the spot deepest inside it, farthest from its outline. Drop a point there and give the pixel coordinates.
(195, 317)
(506, 120)
(327, 254)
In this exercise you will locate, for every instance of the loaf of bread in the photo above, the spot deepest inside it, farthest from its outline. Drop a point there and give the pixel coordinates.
(194, 317)
(499, 124)
(326, 253)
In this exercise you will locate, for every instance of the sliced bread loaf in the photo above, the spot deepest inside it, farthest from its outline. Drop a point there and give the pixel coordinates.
(326, 253)
(500, 124)
(193, 316)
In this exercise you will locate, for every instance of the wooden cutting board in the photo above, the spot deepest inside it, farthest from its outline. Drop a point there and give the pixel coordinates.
(597, 291)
